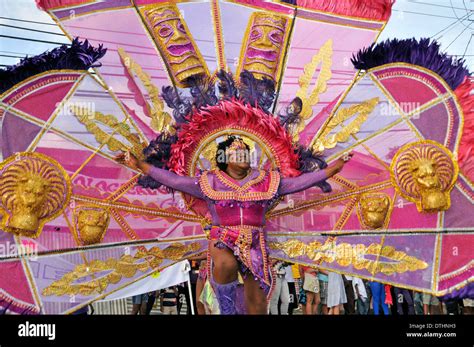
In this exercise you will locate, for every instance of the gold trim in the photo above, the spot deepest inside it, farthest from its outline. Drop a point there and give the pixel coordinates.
(242, 193)
(218, 34)
(324, 58)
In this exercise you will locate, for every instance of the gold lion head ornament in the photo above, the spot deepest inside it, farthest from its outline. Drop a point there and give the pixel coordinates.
(33, 190)
(373, 209)
(424, 172)
(91, 223)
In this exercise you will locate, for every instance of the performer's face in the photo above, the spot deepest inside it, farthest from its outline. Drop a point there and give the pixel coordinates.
(238, 159)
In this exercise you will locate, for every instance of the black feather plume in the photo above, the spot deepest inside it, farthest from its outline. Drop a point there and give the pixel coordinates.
(202, 90)
(157, 153)
(227, 87)
(309, 162)
(257, 92)
(181, 106)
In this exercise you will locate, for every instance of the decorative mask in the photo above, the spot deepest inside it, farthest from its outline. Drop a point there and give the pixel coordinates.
(373, 209)
(177, 47)
(91, 223)
(262, 50)
(33, 190)
(424, 172)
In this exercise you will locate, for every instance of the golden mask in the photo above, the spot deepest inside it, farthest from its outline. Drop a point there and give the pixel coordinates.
(262, 50)
(373, 209)
(424, 172)
(176, 45)
(91, 223)
(33, 190)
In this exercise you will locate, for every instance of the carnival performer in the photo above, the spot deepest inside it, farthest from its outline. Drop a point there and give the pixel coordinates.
(238, 197)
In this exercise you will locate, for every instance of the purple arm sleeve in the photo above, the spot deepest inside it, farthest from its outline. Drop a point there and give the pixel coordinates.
(189, 185)
(302, 182)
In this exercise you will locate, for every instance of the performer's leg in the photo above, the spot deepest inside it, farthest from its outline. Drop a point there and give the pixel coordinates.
(225, 265)
(199, 305)
(255, 298)
(224, 278)
(309, 302)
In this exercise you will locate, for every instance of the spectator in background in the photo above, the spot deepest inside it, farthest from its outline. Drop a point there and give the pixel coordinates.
(292, 285)
(151, 301)
(418, 303)
(201, 280)
(453, 307)
(311, 289)
(378, 297)
(388, 296)
(323, 290)
(349, 306)
(431, 305)
(361, 297)
(183, 297)
(139, 304)
(401, 296)
(468, 306)
(336, 293)
(169, 300)
(280, 291)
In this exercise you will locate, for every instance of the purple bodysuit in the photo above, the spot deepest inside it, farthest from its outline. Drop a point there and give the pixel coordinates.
(238, 210)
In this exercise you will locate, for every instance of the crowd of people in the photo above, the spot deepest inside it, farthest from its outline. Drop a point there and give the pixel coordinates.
(314, 291)
(309, 291)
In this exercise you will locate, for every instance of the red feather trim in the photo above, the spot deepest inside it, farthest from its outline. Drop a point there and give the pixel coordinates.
(373, 9)
(465, 96)
(52, 4)
(233, 115)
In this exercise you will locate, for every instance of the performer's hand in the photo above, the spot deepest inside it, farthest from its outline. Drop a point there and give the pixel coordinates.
(129, 160)
(337, 166)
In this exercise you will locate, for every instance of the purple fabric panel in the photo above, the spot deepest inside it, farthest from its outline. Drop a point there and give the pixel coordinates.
(17, 134)
(433, 123)
(300, 183)
(189, 185)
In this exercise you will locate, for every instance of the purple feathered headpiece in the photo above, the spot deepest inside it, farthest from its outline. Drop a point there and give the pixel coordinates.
(425, 53)
(76, 56)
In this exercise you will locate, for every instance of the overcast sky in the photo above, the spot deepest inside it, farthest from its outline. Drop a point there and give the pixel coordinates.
(410, 18)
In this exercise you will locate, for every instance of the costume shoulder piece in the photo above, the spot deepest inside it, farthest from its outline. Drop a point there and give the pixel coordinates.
(216, 185)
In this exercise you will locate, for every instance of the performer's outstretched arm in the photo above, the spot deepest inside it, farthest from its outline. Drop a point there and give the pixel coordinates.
(307, 180)
(189, 185)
